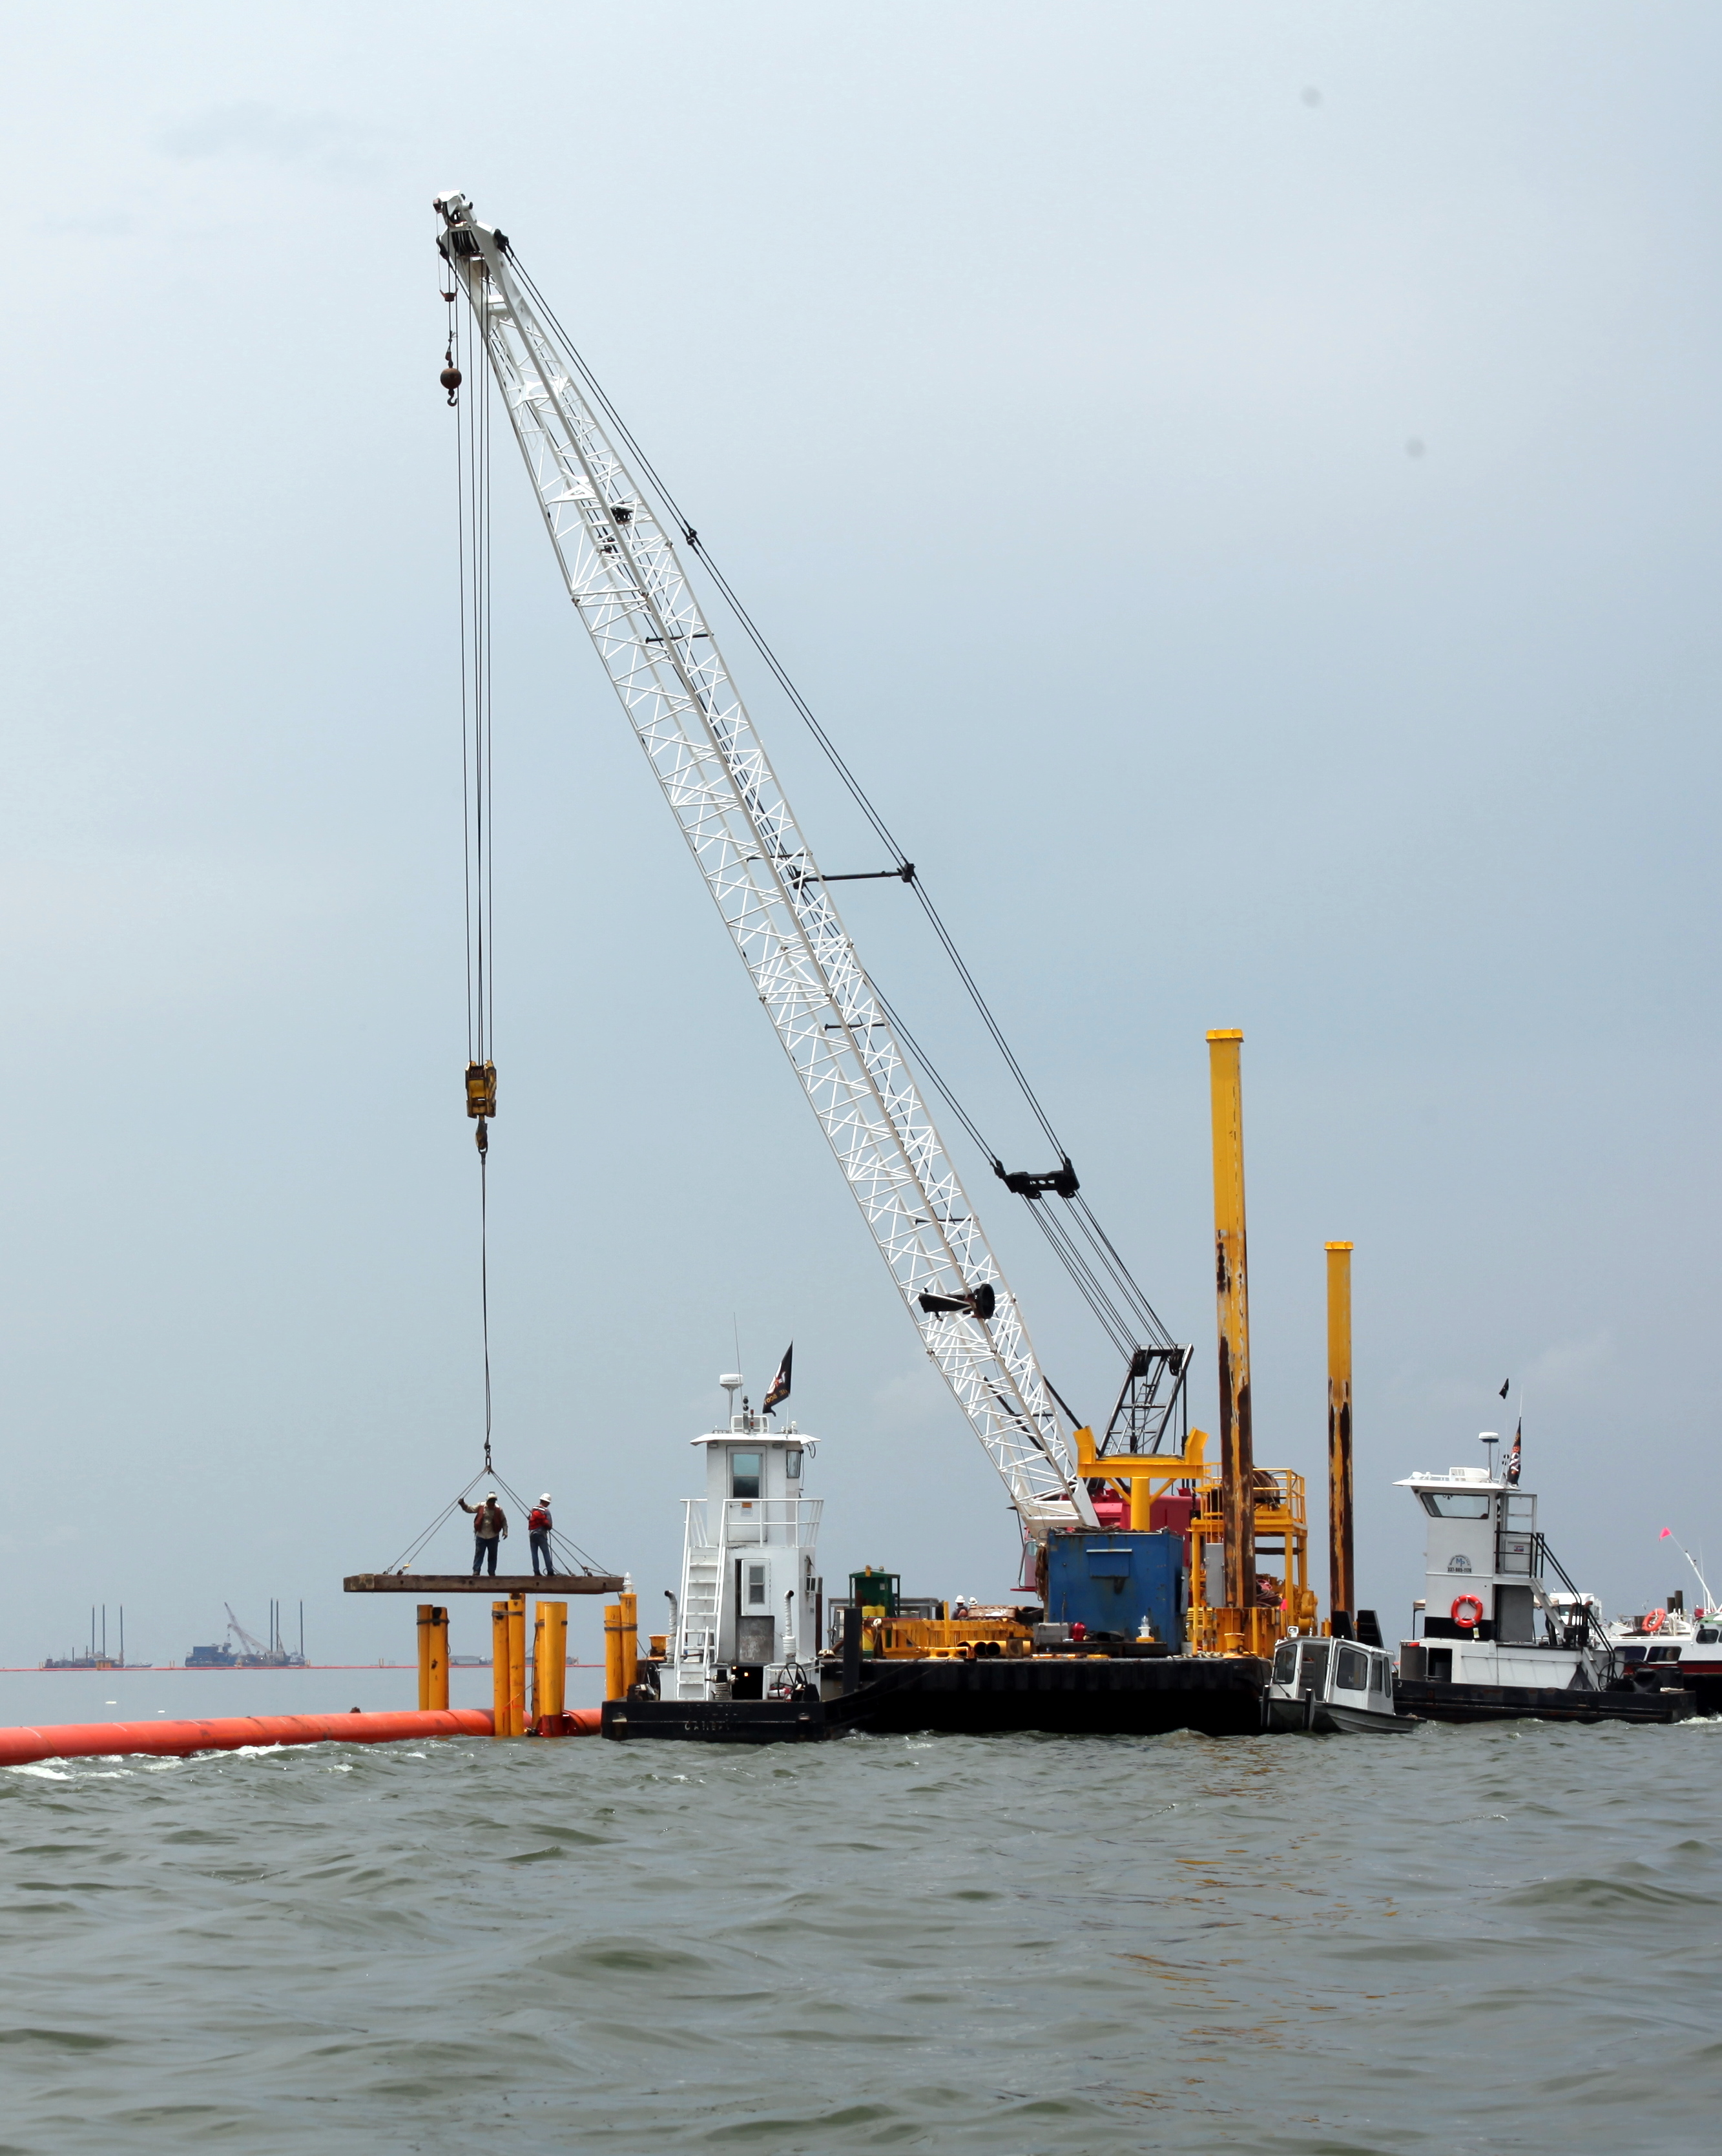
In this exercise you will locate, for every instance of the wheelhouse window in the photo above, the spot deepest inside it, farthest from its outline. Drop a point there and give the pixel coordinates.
(744, 1475)
(1352, 1674)
(792, 1464)
(1458, 1504)
(1285, 1661)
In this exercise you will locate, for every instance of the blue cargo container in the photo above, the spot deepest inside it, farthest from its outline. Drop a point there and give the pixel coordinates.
(1111, 1582)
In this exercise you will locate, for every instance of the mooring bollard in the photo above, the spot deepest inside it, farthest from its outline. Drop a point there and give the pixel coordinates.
(433, 1657)
(517, 1665)
(499, 1670)
(630, 1605)
(615, 1686)
(550, 1669)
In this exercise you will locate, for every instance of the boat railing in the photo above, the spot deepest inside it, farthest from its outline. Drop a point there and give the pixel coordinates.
(1592, 1631)
(794, 1520)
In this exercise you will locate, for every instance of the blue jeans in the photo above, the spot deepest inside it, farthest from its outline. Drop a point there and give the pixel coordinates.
(539, 1539)
(480, 1544)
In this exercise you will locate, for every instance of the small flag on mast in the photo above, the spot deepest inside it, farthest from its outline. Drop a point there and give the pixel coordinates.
(1513, 1456)
(1504, 1389)
(779, 1389)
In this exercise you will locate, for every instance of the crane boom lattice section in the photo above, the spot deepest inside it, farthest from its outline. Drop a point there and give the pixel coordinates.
(623, 574)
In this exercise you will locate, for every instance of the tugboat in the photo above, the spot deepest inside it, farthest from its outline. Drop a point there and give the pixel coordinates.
(1496, 1642)
(1334, 1686)
(738, 1660)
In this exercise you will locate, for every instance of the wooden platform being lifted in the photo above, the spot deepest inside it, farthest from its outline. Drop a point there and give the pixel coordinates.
(428, 1585)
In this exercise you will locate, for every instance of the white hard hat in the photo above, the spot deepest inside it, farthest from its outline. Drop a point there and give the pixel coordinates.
(544, 1499)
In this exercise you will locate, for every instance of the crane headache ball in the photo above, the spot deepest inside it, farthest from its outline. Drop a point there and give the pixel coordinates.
(450, 379)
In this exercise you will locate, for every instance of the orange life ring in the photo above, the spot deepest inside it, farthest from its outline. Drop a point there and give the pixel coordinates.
(1655, 1621)
(1467, 1602)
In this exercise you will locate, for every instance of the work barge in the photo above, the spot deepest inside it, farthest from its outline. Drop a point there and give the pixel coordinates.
(1161, 1585)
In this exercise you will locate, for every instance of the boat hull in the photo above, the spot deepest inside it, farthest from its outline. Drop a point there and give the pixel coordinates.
(1329, 1718)
(1480, 1702)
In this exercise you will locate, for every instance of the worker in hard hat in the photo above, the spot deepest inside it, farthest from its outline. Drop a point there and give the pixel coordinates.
(489, 1528)
(538, 1527)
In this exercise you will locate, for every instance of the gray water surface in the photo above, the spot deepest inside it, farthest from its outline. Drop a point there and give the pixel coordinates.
(1457, 1940)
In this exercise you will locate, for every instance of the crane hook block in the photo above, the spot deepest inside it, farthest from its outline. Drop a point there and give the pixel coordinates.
(480, 1089)
(450, 379)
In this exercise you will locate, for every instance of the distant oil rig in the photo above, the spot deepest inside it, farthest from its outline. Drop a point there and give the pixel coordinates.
(241, 1650)
(96, 1656)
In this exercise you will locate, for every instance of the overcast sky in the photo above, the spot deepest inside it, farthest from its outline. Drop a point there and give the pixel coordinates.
(1239, 481)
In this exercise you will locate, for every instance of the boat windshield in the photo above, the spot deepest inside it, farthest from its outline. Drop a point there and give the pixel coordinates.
(1458, 1504)
(1352, 1674)
(1285, 1661)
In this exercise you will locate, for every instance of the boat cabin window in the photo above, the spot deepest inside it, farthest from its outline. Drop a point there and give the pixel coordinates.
(1708, 1635)
(1285, 1661)
(1664, 1654)
(792, 1466)
(756, 1587)
(1312, 1677)
(744, 1475)
(1380, 1673)
(1458, 1504)
(1353, 1672)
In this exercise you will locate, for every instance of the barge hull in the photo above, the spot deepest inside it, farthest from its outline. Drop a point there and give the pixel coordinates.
(1083, 1696)
(1215, 1695)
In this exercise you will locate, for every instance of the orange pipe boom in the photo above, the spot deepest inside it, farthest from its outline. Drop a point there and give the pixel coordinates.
(88, 1740)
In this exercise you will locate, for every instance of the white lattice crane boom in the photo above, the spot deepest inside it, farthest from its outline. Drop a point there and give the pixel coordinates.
(623, 572)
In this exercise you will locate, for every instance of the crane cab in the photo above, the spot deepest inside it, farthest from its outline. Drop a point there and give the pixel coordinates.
(746, 1621)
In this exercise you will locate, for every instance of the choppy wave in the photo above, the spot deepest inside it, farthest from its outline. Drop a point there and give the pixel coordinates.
(1465, 1940)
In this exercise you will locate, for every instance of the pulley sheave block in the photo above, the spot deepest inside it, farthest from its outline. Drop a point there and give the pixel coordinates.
(481, 1090)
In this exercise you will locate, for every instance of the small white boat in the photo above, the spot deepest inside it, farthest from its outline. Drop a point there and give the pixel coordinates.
(1334, 1686)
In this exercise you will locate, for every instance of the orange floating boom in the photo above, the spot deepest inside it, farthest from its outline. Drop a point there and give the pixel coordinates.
(85, 1740)
(89, 1740)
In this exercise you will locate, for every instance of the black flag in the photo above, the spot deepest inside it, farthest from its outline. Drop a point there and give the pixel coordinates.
(1513, 1456)
(1504, 1389)
(779, 1390)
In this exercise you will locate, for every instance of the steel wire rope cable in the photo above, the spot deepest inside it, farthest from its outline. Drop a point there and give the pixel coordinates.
(474, 542)
(476, 782)
(1116, 1322)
